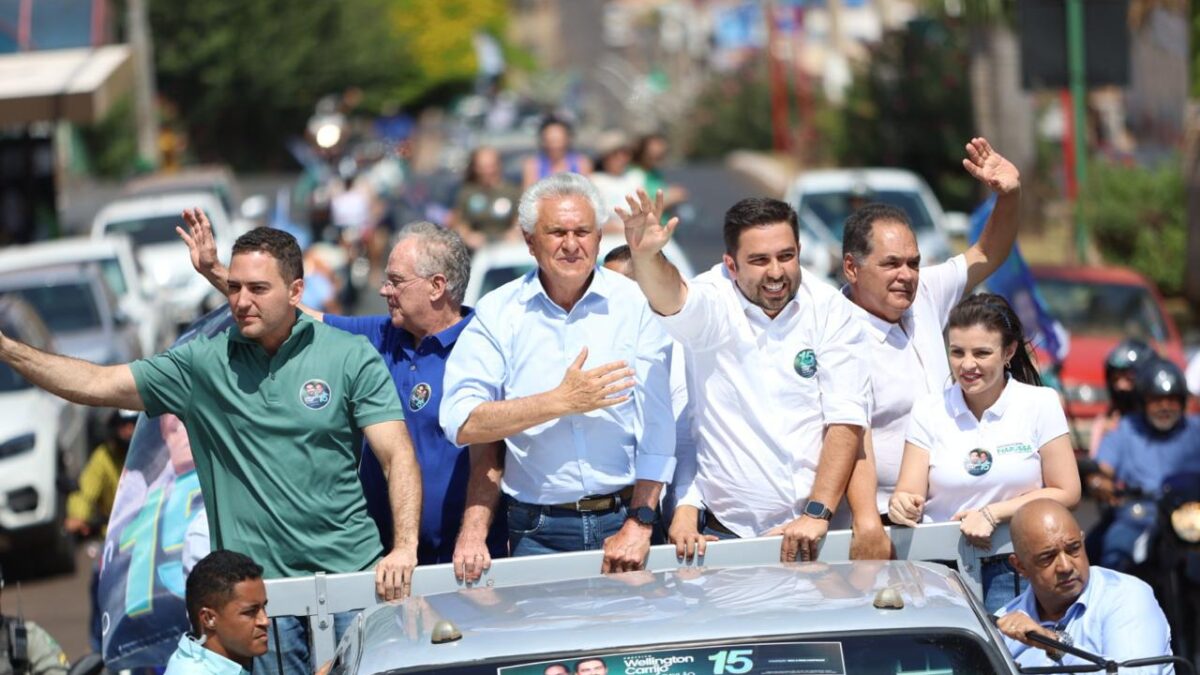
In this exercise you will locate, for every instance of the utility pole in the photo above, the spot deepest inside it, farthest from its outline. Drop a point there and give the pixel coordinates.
(1076, 64)
(143, 87)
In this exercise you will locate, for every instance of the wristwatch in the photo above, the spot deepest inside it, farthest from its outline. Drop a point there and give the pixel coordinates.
(644, 515)
(815, 509)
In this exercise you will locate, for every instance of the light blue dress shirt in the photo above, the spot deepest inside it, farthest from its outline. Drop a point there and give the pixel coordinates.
(191, 658)
(521, 344)
(1116, 616)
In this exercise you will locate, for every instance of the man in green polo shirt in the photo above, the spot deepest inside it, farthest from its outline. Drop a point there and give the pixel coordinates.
(274, 408)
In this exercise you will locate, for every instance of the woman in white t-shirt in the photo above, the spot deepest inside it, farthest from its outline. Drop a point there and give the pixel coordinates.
(993, 441)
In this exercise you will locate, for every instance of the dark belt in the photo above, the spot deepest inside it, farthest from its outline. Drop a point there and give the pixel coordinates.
(594, 503)
(711, 522)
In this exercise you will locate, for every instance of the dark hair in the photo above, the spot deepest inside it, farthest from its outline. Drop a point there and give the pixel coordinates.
(471, 175)
(757, 212)
(994, 313)
(618, 254)
(212, 580)
(643, 146)
(580, 662)
(279, 245)
(554, 120)
(856, 235)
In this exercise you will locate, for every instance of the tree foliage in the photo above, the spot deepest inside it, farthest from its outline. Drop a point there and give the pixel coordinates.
(911, 107)
(1136, 216)
(246, 75)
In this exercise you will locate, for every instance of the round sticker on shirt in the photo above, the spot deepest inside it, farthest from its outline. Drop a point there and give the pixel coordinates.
(315, 394)
(978, 462)
(419, 396)
(805, 363)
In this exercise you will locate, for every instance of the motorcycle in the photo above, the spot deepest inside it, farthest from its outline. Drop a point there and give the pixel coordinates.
(1174, 565)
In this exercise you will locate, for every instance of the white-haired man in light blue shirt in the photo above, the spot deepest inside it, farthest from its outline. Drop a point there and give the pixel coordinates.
(569, 367)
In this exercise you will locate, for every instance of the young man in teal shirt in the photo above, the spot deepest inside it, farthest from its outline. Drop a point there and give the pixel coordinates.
(276, 465)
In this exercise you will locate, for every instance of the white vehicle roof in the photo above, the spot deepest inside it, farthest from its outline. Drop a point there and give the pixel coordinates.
(69, 250)
(129, 208)
(829, 180)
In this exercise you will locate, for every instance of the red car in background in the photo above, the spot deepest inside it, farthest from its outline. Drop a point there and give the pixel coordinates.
(1100, 306)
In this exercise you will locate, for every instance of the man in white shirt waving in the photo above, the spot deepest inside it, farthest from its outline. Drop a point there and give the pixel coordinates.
(903, 307)
(780, 395)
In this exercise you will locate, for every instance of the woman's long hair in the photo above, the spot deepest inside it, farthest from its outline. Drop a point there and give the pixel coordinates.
(994, 313)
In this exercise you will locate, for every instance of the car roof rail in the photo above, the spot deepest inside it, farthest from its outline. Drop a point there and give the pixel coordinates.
(321, 596)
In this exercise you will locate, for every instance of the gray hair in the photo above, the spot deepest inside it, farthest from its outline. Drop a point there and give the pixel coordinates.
(442, 252)
(557, 186)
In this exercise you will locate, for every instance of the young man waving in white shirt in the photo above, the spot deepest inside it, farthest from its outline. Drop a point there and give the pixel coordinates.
(779, 393)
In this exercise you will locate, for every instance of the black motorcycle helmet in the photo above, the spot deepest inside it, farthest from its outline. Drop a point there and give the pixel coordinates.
(1131, 354)
(1160, 377)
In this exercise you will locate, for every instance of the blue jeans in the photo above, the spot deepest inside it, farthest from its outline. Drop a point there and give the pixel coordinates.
(1001, 583)
(293, 636)
(537, 529)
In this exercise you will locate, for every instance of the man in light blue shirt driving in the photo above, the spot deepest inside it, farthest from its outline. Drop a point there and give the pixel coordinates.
(1092, 608)
(568, 366)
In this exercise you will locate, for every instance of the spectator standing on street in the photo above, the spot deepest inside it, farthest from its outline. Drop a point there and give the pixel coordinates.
(649, 154)
(485, 210)
(33, 651)
(778, 391)
(276, 468)
(995, 440)
(424, 282)
(88, 507)
(227, 609)
(554, 154)
(1069, 600)
(588, 451)
(614, 177)
(903, 307)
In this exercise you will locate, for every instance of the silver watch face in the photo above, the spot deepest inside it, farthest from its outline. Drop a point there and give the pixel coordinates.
(817, 510)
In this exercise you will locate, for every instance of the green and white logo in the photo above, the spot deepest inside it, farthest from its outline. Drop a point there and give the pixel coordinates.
(805, 363)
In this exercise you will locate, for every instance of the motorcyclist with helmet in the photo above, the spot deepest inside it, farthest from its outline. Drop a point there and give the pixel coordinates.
(1148, 446)
(1120, 376)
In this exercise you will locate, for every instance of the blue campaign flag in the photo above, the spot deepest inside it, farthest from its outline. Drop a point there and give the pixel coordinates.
(1014, 281)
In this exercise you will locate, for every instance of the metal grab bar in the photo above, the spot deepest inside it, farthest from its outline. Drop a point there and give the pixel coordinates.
(320, 596)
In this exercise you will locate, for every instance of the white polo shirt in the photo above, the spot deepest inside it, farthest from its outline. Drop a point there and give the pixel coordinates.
(973, 463)
(907, 361)
(762, 392)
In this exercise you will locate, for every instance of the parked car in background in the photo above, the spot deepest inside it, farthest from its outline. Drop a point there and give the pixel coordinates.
(1099, 307)
(83, 315)
(114, 254)
(43, 447)
(215, 179)
(824, 198)
(150, 221)
(497, 264)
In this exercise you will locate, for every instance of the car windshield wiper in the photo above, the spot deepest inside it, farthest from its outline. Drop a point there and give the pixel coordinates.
(1098, 663)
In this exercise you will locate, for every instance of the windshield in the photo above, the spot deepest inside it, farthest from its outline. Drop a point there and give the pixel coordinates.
(1106, 310)
(114, 276)
(64, 307)
(927, 653)
(833, 207)
(9, 379)
(143, 231)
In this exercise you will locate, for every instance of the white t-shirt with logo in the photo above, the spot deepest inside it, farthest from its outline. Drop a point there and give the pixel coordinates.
(973, 463)
(762, 391)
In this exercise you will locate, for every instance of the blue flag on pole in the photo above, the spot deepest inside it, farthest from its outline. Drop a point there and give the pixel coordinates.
(1014, 281)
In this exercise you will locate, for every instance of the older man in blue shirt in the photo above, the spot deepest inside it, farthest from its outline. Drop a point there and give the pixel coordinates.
(568, 365)
(426, 278)
(1095, 609)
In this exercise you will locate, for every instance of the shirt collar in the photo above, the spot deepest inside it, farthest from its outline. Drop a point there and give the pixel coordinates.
(958, 404)
(193, 650)
(304, 323)
(448, 336)
(878, 327)
(600, 285)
